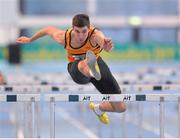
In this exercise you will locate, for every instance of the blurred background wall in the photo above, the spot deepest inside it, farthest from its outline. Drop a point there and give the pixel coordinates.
(140, 29)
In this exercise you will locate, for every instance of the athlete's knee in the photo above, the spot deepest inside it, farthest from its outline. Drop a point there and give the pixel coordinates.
(83, 68)
(123, 107)
(119, 106)
(81, 65)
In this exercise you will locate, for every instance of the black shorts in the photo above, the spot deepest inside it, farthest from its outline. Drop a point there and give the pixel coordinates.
(106, 85)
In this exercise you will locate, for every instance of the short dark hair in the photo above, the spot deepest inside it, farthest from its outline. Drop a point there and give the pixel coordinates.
(81, 20)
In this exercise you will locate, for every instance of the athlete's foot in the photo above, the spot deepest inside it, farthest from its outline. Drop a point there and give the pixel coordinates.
(92, 64)
(103, 117)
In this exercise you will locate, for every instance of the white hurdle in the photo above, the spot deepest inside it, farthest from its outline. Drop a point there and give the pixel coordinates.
(19, 97)
(74, 88)
(23, 98)
(149, 76)
(27, 93)
(53, 98)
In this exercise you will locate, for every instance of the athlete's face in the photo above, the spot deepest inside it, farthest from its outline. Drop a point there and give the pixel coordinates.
(80, 33)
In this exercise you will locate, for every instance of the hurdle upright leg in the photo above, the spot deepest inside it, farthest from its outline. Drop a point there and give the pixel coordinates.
(33, 116)
(123, 127)
(37, 111)
(161, 117)
(140, 119)
(52, 117)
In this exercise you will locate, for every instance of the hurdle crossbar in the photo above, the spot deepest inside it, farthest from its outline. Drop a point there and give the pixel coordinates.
(142, 87)
(88, 97)
(19, 97)
(110, 97)
(70, 88)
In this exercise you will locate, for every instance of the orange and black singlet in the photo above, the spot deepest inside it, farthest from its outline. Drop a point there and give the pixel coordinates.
(80, 51)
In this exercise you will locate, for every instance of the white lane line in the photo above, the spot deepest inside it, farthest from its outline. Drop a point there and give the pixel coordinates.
(64, 114)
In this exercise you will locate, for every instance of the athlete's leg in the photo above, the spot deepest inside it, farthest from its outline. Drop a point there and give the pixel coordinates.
(76, 75)
(83, 68)
(112, 106)
(89, 66)
(108, 85)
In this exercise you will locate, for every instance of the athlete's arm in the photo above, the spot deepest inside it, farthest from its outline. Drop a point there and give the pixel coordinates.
(99, 38)
(57, 34)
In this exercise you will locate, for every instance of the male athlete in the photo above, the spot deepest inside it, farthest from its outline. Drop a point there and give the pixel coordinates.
(83, 44)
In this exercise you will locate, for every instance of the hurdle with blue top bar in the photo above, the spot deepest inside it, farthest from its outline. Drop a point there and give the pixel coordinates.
(23, 98)
(53, 98)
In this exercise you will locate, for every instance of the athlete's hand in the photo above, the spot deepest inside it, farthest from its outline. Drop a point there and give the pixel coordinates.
(23, 39)
(108, 44)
